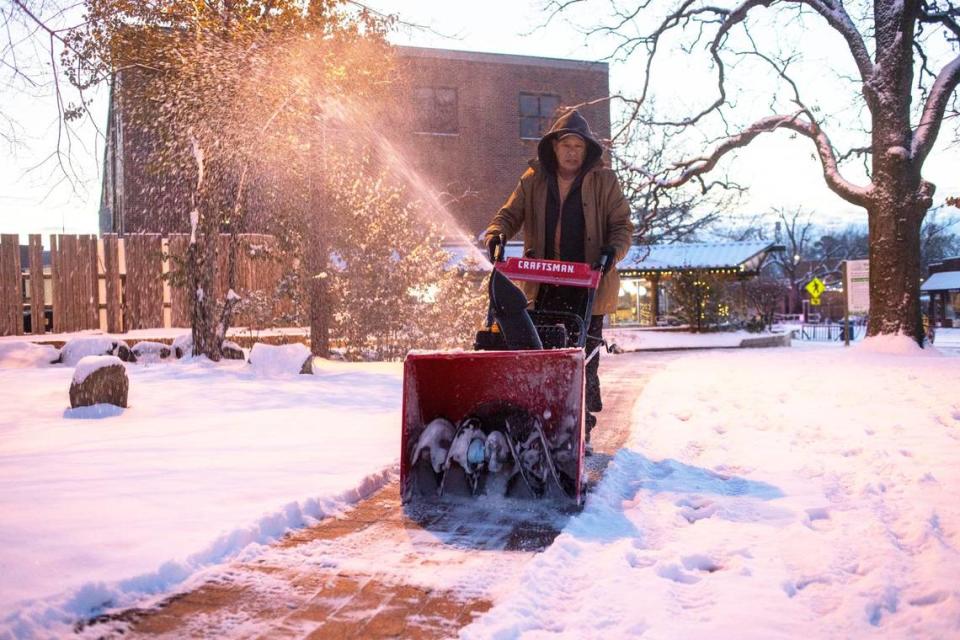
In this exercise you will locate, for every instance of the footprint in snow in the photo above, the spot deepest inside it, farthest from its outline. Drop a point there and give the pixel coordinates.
(792, 588)
(935, 597)
(701, 562)
(695, 508)
(637, 561)
(673, 572)
(818, 519)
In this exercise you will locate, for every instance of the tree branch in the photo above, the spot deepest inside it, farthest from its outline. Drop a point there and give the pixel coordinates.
(927, 130)
(838, 18)
(698, 166)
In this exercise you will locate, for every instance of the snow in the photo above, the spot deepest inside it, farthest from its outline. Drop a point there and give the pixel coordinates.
(210, 462)
(895, 344)
(630, 339)
(77, 348)
(269, 360)
(769, 493)
(18, 355)
(150, 351)
(791, 492)
(89, 364)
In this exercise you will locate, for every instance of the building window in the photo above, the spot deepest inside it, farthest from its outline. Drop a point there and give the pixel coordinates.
(537, 112)
(436, 110)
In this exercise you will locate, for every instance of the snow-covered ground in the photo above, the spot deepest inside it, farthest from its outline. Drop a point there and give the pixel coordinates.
(772, 493)
(207, 462)
(640, 339)
(781, 493)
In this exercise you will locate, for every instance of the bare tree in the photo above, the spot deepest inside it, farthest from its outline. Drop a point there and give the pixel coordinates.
(35, 40)
(665, 216)
(896, 62)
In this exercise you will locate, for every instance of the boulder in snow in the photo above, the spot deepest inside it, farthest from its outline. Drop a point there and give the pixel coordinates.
(232, 351)
(288, 359)
(147, 351)
(23, 355)
(78, 348)
(183, 345)
(99, 380)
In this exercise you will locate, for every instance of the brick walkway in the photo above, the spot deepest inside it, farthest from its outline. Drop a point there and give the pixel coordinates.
(382, 571)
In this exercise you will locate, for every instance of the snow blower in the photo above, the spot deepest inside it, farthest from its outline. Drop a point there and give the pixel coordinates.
(506, 419)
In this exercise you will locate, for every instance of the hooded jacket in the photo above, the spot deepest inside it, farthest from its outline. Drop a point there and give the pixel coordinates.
(606, 213)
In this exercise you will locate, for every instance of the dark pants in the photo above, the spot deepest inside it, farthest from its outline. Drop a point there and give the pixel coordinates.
(571, 299)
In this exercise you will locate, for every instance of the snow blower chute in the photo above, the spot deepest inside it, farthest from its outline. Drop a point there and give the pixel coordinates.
(508, 418)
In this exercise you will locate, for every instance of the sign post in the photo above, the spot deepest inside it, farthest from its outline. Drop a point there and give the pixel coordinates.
(856, 290)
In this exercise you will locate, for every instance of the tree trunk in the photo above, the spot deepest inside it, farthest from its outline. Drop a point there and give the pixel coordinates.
(895, 270)
(202, 263)
(317, 289)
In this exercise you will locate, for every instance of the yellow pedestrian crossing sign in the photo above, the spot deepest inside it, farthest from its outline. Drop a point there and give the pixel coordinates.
(815, 288)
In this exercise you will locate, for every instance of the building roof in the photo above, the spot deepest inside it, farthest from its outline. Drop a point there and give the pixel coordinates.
(942, 281)
(746, 257)
(501, 58)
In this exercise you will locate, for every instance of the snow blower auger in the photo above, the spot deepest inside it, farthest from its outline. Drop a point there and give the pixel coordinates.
(508, 418)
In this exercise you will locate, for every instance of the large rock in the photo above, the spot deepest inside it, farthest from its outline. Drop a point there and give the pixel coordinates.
(99, 380)
(147, 351)
(288, 359)
(232, 351)
(79, 348)
(183, 345)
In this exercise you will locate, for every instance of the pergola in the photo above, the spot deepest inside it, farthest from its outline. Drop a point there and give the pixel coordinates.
(653, 263)
(943, 286)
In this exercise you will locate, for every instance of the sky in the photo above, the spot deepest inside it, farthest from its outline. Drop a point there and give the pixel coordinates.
(38, 200)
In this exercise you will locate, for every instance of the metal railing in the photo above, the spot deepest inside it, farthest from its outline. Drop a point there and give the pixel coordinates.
(828, 332)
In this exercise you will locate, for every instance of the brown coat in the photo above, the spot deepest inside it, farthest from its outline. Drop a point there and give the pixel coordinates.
(605, 211)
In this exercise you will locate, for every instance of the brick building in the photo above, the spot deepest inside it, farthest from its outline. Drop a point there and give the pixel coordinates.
(468, 124)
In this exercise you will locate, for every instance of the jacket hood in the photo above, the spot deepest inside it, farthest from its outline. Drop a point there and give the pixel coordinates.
(570, 122)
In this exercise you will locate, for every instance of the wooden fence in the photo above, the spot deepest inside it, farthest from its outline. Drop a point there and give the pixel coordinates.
(119, 284)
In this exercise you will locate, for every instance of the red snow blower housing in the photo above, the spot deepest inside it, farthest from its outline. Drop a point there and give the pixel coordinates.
(508, 418)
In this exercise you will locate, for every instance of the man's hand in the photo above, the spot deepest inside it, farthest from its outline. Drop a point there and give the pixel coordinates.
(493, 243)
(607, 256)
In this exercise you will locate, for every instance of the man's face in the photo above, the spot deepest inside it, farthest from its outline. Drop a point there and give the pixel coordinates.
(570, 153)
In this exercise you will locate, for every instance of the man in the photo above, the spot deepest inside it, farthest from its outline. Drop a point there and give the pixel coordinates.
(570, 208)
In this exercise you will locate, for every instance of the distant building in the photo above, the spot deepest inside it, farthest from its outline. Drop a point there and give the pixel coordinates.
(472, 121)
(943, 289)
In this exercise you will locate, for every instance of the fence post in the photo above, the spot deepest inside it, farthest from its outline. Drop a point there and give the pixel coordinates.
(38, 290)
(68, 266)
(56, 288)
(180, 293)
(111, 272)
(94, 261)
(11, 286)
(143, 290)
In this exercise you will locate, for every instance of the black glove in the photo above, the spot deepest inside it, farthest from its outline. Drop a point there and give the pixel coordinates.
(608, 255)
(493, 242)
